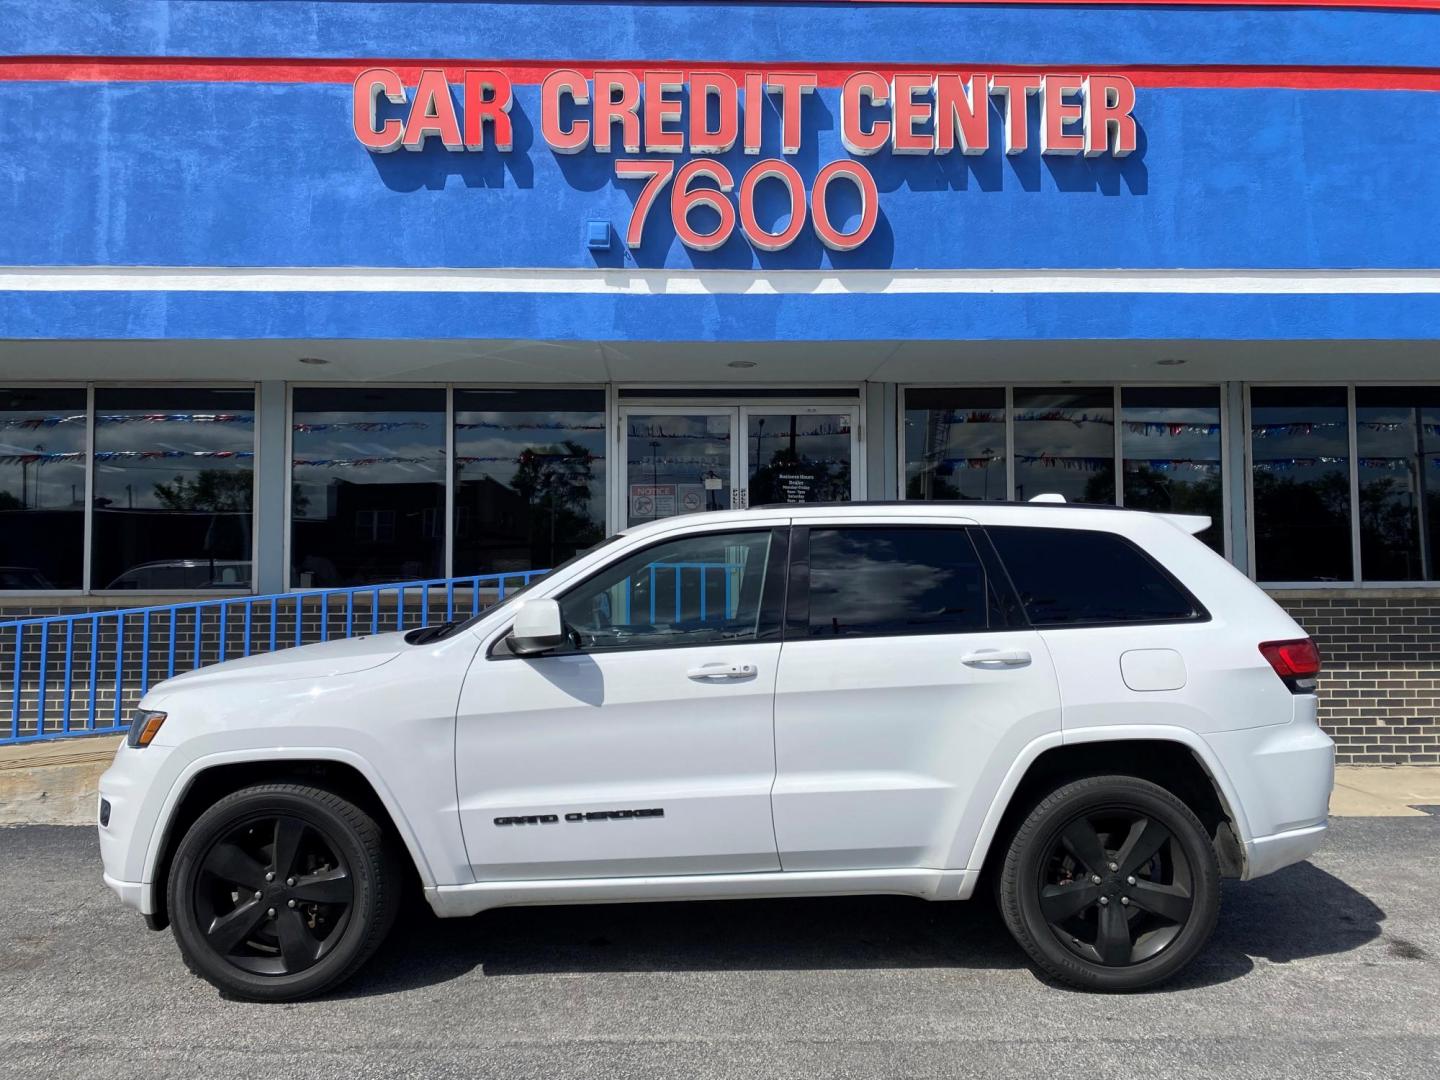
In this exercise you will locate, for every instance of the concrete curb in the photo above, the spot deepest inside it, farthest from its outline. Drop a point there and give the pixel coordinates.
(54, 783)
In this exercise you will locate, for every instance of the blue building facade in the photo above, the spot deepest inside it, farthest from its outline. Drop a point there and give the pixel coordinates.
(297, 294)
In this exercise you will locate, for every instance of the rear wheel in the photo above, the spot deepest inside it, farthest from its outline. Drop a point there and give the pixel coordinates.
(281, 891)
(1111, 884)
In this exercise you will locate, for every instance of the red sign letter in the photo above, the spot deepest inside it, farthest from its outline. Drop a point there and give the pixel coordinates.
(906, 112)
(1015, 89)
(1056, 112)
(961, 111)
(703, 86)
(791, 88)
(754, 111)
(433, 113)
(659, 109)
(573, 85)
(861, 88)
(369, 85)
(1109, 100)
(609, 108)
(487, 97)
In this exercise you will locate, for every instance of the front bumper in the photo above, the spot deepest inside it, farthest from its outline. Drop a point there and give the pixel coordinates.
(135, 786)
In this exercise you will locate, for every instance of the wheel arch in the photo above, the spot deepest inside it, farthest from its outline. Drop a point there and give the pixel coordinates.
(210, 779)
(1176, 759)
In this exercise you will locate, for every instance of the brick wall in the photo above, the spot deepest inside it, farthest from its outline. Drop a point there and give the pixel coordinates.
(1380, 689)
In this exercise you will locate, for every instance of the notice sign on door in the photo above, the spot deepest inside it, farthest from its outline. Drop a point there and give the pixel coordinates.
(797, 487)
(652, 500)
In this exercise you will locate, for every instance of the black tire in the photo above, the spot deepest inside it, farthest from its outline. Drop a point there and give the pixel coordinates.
(332, 895)
(1138, 916)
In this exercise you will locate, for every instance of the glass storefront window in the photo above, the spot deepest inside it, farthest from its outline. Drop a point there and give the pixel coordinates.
(1300, 476)
(174, 489)
(1065, 443)
(1170, 444)
(1397, 442)
(42, 489)
(367, 501)
(955, 444)
(529, 477)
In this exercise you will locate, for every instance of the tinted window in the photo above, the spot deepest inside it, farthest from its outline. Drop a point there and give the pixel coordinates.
(708, 588)
(367, 478)
(1068, 576)
(1170, 436)
(955, 444)
(1300, 472)
(42, 489)
(529, 477)
(1397, 436)
(174, 488)
(890, 581)
(1065, 444)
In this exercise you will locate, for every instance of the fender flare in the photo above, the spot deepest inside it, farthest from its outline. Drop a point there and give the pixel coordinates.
(159, 835)
(1224, 787)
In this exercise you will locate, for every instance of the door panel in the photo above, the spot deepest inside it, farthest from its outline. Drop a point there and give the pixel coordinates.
(799, 455)
(648, 747)
(680, 461)
(902, 698)
(584, 734)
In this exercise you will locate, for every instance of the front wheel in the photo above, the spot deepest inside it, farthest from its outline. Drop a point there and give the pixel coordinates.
(1111, 883)
(281, 891)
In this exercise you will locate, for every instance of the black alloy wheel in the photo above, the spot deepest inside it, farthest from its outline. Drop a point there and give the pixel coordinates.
(273, 895)
(1111, 883)
(282, 891)
(1115, 887)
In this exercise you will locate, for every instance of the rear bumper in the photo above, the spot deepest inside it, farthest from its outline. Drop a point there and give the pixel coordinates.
(1266, 854)
(1281, 777)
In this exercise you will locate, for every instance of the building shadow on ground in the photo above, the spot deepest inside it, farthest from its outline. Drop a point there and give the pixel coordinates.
(1299, 912)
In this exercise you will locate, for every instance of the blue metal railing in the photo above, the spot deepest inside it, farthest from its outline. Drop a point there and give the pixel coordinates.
(98, 664)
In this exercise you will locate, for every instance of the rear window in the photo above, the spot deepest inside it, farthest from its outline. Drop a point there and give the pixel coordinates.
(884, 582)
(1069, 577)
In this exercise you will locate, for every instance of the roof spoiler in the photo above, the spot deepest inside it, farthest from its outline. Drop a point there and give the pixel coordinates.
(1190, 523)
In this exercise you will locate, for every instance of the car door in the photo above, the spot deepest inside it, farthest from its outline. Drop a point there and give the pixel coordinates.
(908, 685)
(646, 747)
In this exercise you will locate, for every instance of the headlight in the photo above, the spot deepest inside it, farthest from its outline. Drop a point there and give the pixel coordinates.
(144, 726)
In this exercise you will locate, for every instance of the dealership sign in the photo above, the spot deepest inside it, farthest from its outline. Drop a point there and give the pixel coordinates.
(910, 112)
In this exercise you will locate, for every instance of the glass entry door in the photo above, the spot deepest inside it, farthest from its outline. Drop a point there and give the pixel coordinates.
(691, 459)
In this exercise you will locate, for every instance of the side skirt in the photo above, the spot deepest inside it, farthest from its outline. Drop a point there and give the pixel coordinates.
(459, 900)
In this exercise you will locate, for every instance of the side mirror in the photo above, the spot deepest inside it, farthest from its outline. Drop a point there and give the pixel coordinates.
(538, 628)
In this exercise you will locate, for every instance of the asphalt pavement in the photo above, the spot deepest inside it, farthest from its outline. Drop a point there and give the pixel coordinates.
(1326, 969)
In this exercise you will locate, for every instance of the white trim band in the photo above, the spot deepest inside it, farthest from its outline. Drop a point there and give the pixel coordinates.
(709, 282)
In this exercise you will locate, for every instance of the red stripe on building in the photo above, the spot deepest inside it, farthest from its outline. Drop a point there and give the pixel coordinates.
(148, 69)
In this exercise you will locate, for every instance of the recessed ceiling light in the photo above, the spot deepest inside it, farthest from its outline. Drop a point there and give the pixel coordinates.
(741, 363)
(313, 360)
(1170, 361)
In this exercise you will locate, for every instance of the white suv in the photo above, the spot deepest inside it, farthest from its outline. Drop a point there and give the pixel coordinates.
(1084, 709)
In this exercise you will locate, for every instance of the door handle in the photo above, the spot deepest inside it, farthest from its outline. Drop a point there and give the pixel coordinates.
(996, 658)
(721, 672)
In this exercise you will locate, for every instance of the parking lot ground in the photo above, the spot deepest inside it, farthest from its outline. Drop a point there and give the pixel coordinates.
(1326, 969)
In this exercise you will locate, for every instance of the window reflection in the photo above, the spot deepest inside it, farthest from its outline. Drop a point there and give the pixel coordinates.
(1170, 441)
(1397, 437)
(1065, 444)
(1300, 471)
(367, 486)
(677, 463)
(529, 477)
(955, 444)
(174, 488)
(798, 457)
(42, 489)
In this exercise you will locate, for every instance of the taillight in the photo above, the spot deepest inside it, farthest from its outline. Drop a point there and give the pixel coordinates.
(1297, 662)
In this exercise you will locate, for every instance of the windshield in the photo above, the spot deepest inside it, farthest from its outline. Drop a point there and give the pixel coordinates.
(447, 629)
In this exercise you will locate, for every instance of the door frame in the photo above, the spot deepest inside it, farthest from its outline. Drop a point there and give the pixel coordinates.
(740, 409)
